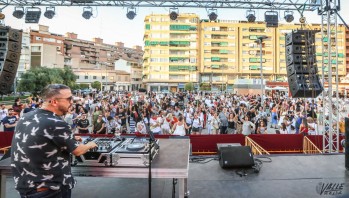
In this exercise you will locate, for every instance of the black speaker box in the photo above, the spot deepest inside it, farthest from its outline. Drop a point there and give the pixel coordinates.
(7, 33)
(300, 59)
(11, 46)
(9, 56)
(302, 85)
(6, 82)
(235, 157)
(9, 67)
(301, 69)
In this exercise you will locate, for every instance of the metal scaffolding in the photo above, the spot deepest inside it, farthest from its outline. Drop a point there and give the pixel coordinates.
(306, 5)
(331, 104)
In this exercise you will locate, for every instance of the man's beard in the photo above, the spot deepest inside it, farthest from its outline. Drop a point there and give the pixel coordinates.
(64, 110)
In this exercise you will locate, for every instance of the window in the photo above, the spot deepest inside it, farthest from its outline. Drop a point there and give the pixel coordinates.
(38, 38)
(36, 49)
(86, 77)
(77, 77)
(103, 77)
(94, 77)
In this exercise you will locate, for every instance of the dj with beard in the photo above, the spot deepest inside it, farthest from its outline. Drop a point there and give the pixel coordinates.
(41, 147)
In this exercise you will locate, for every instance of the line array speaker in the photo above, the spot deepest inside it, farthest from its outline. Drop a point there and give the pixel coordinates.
(301, 65)
(10, 51)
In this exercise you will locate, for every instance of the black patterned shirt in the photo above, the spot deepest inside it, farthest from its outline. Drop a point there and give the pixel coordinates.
(40, 154)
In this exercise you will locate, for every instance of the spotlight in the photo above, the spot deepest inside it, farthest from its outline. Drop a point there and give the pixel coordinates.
(19, 12)
(87, 13)
(271, 18)
(2, 16)
(173, 13)
(50, 12)
(213, 14)
(131, 13)
(288, 15)
(32, 15)
(250, 15)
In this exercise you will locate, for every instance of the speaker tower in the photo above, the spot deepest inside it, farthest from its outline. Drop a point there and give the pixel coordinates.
(301, 65)
(10, 51)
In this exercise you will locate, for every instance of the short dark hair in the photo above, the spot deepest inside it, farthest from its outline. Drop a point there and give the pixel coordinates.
(52, 90)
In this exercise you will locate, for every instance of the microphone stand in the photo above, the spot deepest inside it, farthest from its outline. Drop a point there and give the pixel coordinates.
(151, 142)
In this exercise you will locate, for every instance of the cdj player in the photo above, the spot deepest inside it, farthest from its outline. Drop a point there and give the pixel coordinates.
(116, 151)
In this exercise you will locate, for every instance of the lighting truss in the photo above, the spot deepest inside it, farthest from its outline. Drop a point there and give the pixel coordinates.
(305, 5)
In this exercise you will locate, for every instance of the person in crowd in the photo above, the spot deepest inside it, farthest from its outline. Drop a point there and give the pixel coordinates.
(223, 117)
(83, 124)
(155, 124)
(98, 127)
(97, 111)
(179, 128)
(303, 129)
(274, 116)
(111, 125)
(312, 126)
(262, 128)
(41, 147)
(17, 106)
(247, 127)
(196, 124)
(3, 112)
(215, 122)
(231, 124)
(10, 121)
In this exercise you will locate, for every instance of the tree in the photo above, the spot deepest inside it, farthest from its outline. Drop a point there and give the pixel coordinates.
(37, 78)
(205, 87)
(96, 85)
(189, 86)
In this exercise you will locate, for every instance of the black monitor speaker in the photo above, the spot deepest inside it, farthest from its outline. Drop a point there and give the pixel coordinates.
(235, 157)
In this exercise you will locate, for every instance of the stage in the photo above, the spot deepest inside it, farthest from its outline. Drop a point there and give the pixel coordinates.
(286, 176)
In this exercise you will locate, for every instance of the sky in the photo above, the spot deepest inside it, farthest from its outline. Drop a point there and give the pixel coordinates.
(112, 25)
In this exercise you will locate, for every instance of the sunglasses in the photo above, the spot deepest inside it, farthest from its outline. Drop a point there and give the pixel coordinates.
(70, 98)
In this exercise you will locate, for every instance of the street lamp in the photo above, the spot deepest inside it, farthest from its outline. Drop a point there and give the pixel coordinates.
(260, 41)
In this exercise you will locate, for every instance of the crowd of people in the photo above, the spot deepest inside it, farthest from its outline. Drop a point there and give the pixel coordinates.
(186, 113)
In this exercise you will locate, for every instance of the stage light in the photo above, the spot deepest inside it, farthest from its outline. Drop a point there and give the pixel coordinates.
(213, 14)
(131, 13)
(32, 15)
(50, 12)
(2, 16)
(87, 13)
(271, 18)
(19, 12)
(173, 13)
(288, 15)
(250, 15)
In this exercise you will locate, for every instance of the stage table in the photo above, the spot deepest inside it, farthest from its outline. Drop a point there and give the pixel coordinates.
(171, 162)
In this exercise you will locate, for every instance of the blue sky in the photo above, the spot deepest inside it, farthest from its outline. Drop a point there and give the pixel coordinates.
(111, 24)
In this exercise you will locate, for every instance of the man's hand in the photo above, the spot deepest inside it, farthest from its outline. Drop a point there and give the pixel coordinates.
(78, 138)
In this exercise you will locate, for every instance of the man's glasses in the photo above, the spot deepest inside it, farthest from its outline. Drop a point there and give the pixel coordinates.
(70, 98)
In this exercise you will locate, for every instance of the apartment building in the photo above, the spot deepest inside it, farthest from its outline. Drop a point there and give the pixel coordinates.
(46, 48)
(227, 52)
(92, 57)
(171, 52)
(24, 61)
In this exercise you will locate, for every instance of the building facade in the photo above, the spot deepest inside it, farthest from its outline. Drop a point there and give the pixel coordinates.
(171, 52)
(225, 52)
(90, 60)
(46, 48)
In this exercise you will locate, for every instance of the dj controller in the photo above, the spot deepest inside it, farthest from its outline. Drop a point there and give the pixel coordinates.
(117, 151)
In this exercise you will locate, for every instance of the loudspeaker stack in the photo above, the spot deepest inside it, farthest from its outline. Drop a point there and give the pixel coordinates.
(301, 67)
(346, 145)
(10, 52)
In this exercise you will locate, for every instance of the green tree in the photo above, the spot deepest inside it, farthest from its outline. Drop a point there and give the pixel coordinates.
(37, 78)
(189, 86)
(96, 85)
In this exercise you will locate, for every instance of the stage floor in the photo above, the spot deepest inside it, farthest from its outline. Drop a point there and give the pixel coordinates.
(286, 176)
